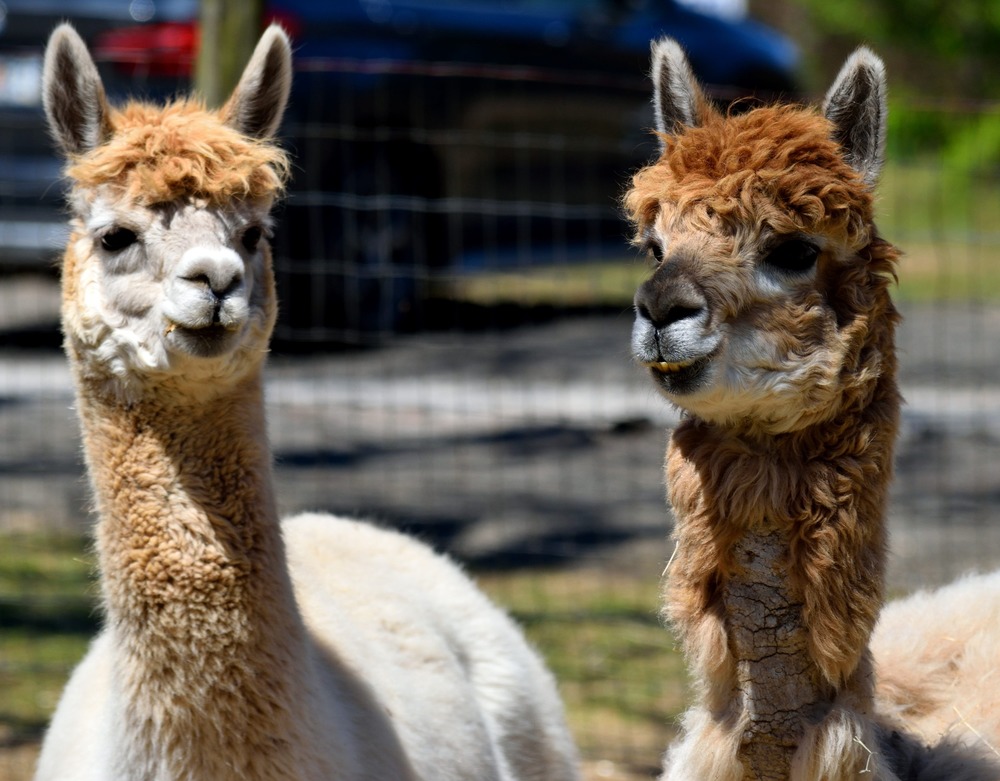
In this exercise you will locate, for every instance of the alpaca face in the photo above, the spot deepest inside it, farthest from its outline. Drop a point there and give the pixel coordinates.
(759, 228)
(739, 328)
(183, 287)
(168, 271)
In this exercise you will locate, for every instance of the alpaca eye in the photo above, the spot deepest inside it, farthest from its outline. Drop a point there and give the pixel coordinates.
(118, 239)
(796, 256)
(651, 248)
(251, 238)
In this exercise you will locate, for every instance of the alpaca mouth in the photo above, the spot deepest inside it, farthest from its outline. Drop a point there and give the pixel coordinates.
(205, 341)
(678, 377)
(666, 367)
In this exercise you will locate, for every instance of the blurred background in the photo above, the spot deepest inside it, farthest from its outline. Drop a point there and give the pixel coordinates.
(452, 351)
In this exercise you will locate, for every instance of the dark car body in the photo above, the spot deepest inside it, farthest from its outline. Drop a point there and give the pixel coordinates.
(32, 219)
(430, 137)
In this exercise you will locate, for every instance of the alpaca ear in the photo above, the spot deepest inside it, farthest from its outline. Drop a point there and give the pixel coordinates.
(678, 101)
(72, 93)
(856, 105)
(257, 104)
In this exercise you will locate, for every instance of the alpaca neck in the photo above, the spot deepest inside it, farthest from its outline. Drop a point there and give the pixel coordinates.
(778, 692)
(195, 583)
(778, 576)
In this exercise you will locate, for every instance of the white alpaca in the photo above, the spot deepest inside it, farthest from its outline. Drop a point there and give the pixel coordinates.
(235, 648)
(937, 662)
(768, 319)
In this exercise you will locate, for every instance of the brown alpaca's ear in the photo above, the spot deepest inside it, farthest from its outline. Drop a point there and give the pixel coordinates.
(257, 104)
(678, 100)
(72, 93)
(856, 105)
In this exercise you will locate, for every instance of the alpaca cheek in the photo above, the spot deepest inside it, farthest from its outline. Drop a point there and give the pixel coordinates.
(130, 297)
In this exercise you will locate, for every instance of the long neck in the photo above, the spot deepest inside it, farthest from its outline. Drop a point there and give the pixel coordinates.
(778, 575)
(196, 588)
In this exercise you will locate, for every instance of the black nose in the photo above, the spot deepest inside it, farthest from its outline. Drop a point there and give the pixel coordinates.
(667, 298)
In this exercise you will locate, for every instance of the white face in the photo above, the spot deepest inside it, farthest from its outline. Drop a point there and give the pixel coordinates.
(176, 289)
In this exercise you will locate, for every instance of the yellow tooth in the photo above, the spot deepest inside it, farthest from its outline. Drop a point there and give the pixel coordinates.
(665, 366)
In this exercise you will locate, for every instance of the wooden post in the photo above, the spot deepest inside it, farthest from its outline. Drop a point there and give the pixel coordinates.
(229, 32)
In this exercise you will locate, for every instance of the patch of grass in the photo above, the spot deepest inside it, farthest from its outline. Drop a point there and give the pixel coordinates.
(33, 670)
(609, 283)
(44, 563)
(47, 616)
(952, 271)
(925, 197)
(620, 675)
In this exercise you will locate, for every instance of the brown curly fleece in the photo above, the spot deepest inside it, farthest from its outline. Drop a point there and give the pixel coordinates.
(160, 154)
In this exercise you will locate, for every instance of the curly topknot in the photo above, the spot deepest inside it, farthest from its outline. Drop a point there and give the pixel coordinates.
(158, 154)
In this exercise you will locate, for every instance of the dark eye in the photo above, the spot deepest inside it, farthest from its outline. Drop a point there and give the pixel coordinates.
(118, 239)
(251, 237)
(652, 249)
(796, 256)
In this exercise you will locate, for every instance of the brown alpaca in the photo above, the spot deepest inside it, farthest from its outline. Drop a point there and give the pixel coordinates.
(236, 647)
(768, 321)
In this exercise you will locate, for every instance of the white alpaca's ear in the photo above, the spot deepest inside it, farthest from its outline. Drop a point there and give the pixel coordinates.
(257, 104)
(72, 93)
(677, 99)
(856, 105)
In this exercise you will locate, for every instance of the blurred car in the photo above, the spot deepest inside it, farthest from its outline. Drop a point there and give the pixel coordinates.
(431, 137)
(32, 220)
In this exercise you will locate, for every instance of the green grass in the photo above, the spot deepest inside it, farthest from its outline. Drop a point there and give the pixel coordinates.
(45, 565)
(610, 283)
(620, 675)
(47, 617)
(923, 198)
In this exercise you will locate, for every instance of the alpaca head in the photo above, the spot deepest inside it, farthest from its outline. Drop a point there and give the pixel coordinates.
(768, 306)
(167, 277)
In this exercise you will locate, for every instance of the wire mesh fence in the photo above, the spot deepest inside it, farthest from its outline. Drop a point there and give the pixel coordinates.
(411, 176)
(452, 359)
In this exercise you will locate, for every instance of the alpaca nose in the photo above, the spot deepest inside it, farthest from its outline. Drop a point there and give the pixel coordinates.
(667, 299)
(219, 271)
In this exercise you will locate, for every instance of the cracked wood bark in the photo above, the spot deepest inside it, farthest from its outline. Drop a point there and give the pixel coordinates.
(778, 686)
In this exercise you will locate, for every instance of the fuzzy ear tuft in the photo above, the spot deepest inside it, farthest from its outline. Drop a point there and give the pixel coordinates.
(678, 100)
(72, 93)
(856, 105)
(257, 104)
